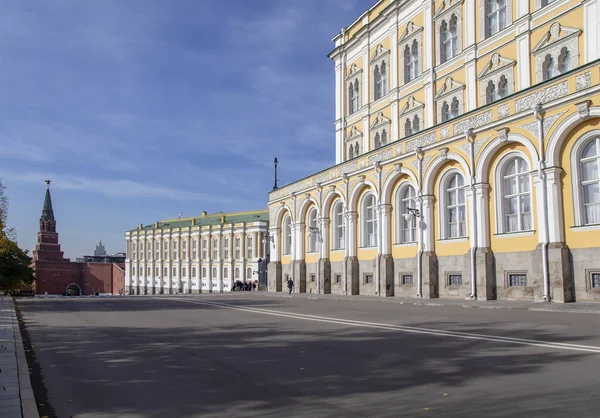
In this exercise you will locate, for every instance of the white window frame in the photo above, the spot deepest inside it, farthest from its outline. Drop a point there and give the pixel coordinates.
(238, 249)
(500, 193)
(380, 131)
(312, 238)
(287, 235)
(543, 3)
(494, 71)
(249, 247)
(149, 249)
(157, 249)
(485, 13)
(194, 249)
(444, 14)
(184, 249)
(411, 110)
(378, 61)
(215, 248)
(402, 203)
(444, 206)
(204, 248)
(226, 248)
(551, 46)
(450, 92)
(174, 249)
(369, 240)
(353, 94)
(338, 225)
(353, 138)
(576, 169)
(411, 37)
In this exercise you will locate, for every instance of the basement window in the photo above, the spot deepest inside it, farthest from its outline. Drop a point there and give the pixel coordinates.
(407, 280)
(517, 280)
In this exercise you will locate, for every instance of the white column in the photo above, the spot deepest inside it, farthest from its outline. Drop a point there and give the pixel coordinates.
(429, 64)
(427, 217)
(523, 56)
(470, 22)
(339, 110)
(275, 245)
(539, 208)
(365, 98)
(522, 8)
(471, 202)
(351, 231)
(591, 30)
(386, 229)
(324, 249)
(395, 135)
(482, 193)
(471, 82)
(394, 57)
(298, 248)
(555, 205)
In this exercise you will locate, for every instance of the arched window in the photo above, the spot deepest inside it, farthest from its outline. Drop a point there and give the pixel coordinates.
(454, 109)
(369, 223)
(204, 272)
(416, 124)
(184, 249)
(194, 272)
(183, 272)
(149, 272)
(490, 92)
(249, 246)
(214, 273)
(174, 249)
(204, 249)
(377, 82)
(383, 138)
(495, 21)
(564, 60)
(237, 273)
(351, 152)
(407, 127)
(287, 235)
(455, 206)
(237, 248)
(225, 273)
(357, 95)
(380, 79)
(338, 226)
(590, 182)
(226, 248)
(549, 68)
(141, 272)
(312, 236)
(377, 141)
(517, 195)
(166, 272)
(157, 249)
(134, 251)
(174, 271)
(353, 97)
(194, 249)
(149, 248)
(166, 250)
(356, 149)
(248, 273)
(449, 36)
(445, 112)
(383, 78)
(502, 87)
(215, 248)
(157, 271)
(411, 62)
(406, 198)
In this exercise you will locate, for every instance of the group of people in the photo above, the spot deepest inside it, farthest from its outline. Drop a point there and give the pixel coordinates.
(240, 286)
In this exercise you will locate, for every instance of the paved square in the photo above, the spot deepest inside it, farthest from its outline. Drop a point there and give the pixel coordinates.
(254, 354)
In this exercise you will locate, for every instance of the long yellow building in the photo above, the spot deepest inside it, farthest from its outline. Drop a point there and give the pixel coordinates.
(467, 140)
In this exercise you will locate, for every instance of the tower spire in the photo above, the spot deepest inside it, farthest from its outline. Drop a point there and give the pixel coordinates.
(47, 220)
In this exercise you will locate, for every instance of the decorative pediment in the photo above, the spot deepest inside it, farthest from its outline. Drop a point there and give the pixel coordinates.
(496, 63)
(353, 134)
(379, 53)
(446, 7)
(449, 86)
(410, 31)
(353, 71)
(411, 104)
(379, 120)
(557, 33)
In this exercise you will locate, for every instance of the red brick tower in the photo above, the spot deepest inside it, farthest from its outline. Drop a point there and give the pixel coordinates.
(47, 247)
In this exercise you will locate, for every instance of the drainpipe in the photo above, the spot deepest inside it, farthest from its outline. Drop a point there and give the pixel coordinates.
(419, 155)
(346, 232)
(538, 112)
(319, 237)
(471, 139)
(377, 166)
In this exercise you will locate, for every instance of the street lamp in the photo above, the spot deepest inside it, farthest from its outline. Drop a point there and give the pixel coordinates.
(411, 213)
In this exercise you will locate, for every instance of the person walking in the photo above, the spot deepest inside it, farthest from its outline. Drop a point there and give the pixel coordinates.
(290, 285)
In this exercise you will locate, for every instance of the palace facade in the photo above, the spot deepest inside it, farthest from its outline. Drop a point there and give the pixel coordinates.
(204, 254)
(467, 158)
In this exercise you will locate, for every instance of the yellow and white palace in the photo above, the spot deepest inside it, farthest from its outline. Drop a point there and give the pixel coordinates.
(467, 140)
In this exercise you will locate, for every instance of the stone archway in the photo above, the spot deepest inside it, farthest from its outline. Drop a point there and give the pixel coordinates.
(74, 290)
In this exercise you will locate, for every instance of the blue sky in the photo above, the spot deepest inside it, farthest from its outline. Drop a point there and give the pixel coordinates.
(142, 109)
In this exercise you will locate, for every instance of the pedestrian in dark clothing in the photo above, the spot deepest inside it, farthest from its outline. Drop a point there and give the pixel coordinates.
(290, 285)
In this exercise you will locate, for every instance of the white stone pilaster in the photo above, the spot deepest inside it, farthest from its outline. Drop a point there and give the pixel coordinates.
(351, 231)
(324, 248)
(275, 233)
(471, 82)
(522, 8)
(427, 219)
(394, 58)
(523, 56)
(395, 136)
(555, 207)
(386, 229)
(470, 22)
(482, 193)
(300, 232)
(591, 30)
(428, 32)
(539, 208)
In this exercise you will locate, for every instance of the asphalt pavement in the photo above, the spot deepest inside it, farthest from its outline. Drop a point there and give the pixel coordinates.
(254, 354)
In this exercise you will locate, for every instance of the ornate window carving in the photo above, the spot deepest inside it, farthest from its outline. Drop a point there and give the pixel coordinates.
(448, 26)
(369, 221)
(352, 140)
(353, 88)
(513, 194)
(497, 79)
(380, 131)
(494, 16)
(379, 66)
(557, 52)
(410, 46)
(405, 229)
(453, 207)
(411, 117)
(450, 100)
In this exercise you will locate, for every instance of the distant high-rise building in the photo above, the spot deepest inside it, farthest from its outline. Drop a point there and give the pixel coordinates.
(100, 250)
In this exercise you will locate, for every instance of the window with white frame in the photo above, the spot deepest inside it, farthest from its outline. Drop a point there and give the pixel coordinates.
(157, 249)
(449, 100)
(204, 249)
(449, 39)
(406, 198)
(141, 272)
(353, 96)
(174, 271)
(379, 65)
(194, 272)
(248, 273)
(380, 131)
(287, 235)
(194, 249)
(183, 272)
(351, 152)
(204, 272)
(237, 273)
(149, 271)
(381, 139)
(249, 247)
(166, 249)
(411, 117)
(214, 273)
(411, 61)
(226, 248)
(149, 248)
(557, 52)
(595, 280)
(338, 226)
(496, 15)
(312, 236)
(352, 139)
(157, 271)
(454, 206)
(166, 272)
(590, 182)
(516, 195)
(369, 221)
(237, 248)
(184, 249)
(174, 249)
(134, 251)
(215, 248)
(141, 250)
(225, 273)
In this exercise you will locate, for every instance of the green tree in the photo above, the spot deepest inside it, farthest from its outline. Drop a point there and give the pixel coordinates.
(15, 263)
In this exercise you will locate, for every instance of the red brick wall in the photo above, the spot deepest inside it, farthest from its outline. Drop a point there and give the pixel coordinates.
(118, 279)
(97, 277)
(55, 277)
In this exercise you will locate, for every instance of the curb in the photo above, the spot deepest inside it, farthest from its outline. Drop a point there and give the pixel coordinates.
(28, 404)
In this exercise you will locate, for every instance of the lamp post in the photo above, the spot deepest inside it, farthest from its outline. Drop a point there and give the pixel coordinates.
(263, 262)
(317, 230)
(414, 215)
